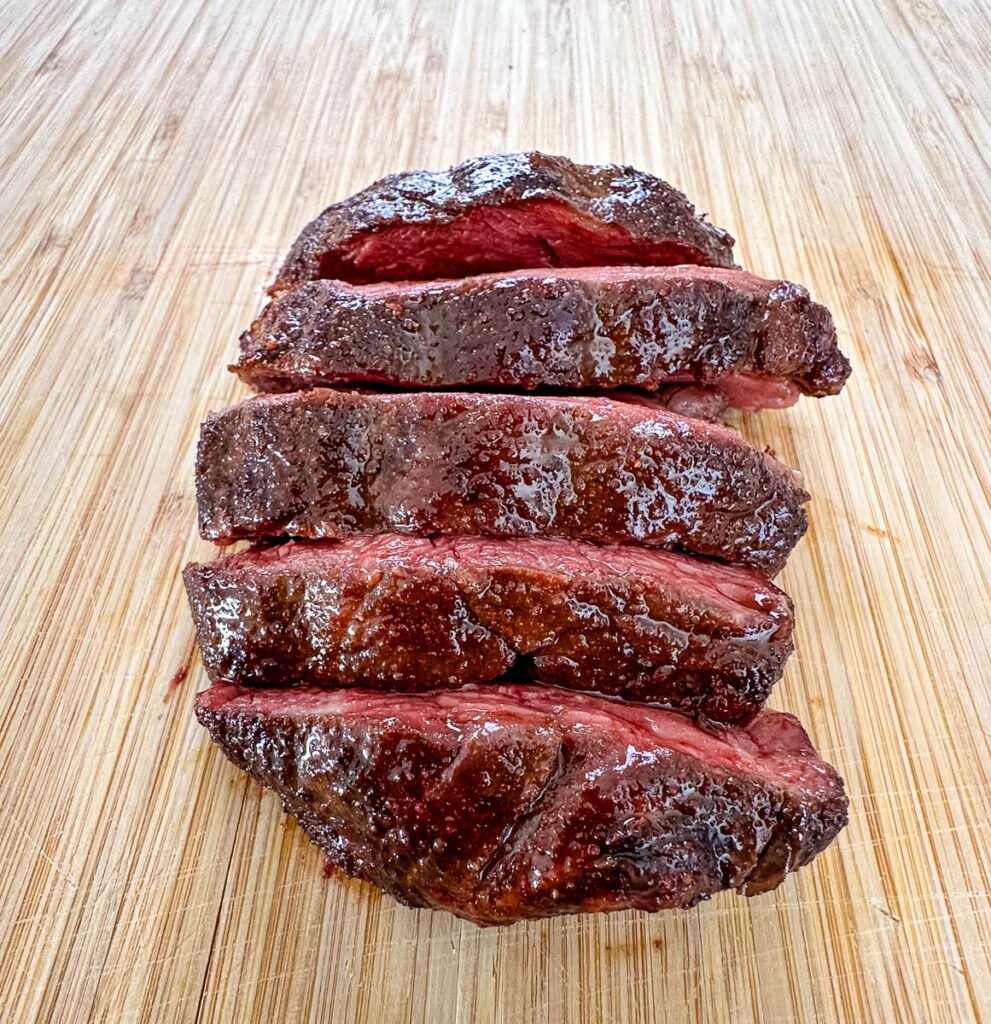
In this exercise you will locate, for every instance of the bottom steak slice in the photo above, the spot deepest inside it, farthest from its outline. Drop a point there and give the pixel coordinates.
(410, 613)
(508, 802)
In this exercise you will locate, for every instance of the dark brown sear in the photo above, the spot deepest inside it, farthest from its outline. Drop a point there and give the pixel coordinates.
(513, 802)
(331, 464)
(757, 343)
(408, 613)
(503, 212)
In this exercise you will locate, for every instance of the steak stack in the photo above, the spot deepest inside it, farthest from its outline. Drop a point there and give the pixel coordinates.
(505, 633)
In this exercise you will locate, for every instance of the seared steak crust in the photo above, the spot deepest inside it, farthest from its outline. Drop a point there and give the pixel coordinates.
(407, 613)
(511, 802)
(503, 212)
(596, 327)
(329, 464)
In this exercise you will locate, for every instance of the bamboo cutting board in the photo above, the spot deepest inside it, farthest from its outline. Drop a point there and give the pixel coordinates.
(155, 162)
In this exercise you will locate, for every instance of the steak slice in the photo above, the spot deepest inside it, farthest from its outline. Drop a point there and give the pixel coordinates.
(503, 212)
(513, 802)
(594, 327)
(328, 463)
(408, 613)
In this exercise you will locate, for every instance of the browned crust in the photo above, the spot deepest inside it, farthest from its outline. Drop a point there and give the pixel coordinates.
(332, 463)
(415, 623)
(625, 327)
(497, 821)
(646, 209)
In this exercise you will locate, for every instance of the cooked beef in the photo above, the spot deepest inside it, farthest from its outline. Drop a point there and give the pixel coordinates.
(503, 212)
(693, 400)
(511, 802)
(329, 464)
(407, 613)
(594, 327)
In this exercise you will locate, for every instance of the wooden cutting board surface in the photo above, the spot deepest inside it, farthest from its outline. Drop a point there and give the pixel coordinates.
(155, 162)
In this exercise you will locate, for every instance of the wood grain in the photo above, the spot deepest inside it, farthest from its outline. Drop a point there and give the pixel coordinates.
(155, 161)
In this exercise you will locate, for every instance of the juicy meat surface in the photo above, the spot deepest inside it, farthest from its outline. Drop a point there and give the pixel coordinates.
(509, 802)
(593, 327)
(409, 613)
(503, 212)
(330, 464)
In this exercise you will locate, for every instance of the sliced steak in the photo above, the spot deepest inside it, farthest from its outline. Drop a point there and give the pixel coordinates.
(407, 613)
(503, 212)
(594, 327)
(511, 802)
(333, 463)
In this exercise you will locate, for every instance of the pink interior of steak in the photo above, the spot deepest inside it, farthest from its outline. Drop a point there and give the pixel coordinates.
(534, 233)
(732, 588)
(772, 746)
(754, 391)
(694, 401)
(741, 280)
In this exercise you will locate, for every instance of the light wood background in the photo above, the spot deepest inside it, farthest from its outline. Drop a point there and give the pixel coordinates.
(155, 162)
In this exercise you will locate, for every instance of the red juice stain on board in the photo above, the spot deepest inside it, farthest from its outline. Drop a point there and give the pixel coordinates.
(177, 678)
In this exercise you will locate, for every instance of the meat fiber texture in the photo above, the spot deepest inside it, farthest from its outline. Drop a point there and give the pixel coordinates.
(514, 802)
(759, 343)
(409, 614)
(503, 212)
(330, 464)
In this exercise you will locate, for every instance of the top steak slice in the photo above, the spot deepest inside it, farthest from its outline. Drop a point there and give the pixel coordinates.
(760, 343)
(511, 802)
(503, 212)
(328, 463)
